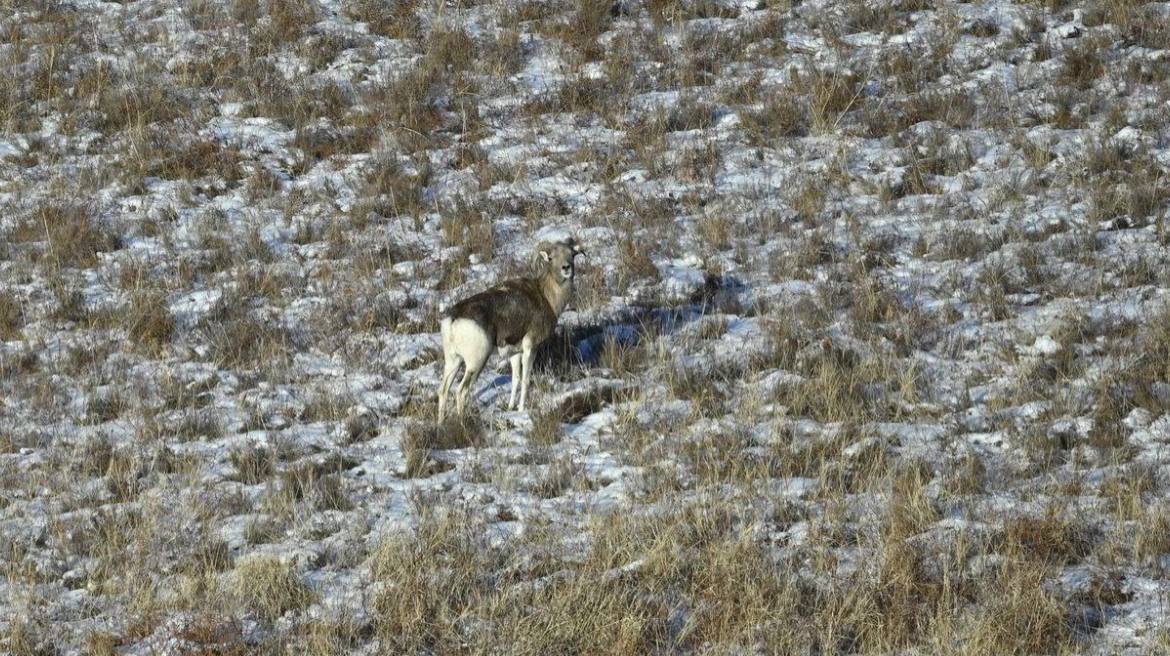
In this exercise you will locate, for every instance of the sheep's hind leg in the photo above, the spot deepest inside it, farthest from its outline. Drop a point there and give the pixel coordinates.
(470, 375)
(450, 367)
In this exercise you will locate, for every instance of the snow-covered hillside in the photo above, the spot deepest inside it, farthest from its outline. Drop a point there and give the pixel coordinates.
(870, 352)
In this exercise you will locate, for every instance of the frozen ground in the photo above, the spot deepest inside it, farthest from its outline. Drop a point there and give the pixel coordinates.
(870, 352)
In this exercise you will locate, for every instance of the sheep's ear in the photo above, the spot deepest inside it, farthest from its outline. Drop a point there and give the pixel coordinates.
(574, 246)
(545, 256)
(545, 250)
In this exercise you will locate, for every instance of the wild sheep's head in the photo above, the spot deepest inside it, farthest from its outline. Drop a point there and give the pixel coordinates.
(558, 258)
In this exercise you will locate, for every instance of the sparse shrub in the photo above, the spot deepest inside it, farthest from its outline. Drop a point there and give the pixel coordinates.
(704, 389)
(408, 102)
(262, 530)
(672, 11)
(982, 28)
(502, 54)
(25, 637)
(322, 140)
(872, 17)
(635, 262)
(1130, 205)
(579, 94)
(429, 582)
(624, 357)
(837, 388)
(97, 454)
(449, 51)
(1016, 613)
(1143, 25)
(101, 644)
(873, 302)
(122, 476)
(288, 21)
(807, 197)
(166, 153)
(557, 478)
(322, 405)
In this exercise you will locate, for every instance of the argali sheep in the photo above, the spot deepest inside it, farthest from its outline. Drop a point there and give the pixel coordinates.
(513, 317)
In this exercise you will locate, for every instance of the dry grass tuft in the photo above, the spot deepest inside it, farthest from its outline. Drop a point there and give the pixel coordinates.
(782, 115)
(12, 316)
(254, 464)
(465, 225)
(149, 322)
(241, 342)
(423, 437)
(269, 586)
(319, 484)
(396, 20)
(71, 236)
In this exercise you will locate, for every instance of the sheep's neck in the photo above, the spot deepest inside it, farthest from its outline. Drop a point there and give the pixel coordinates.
(556, 292)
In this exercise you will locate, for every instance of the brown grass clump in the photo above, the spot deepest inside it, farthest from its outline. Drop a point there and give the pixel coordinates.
(423, 437)
(391, 190)
(1014, 613)
(830, 96)
(319, 484)
(27, 637)
(782, 115)
(269, 587)
(634, 262)
(1083, 63)
(165, 152)
(590, 19)
(465, 225)
(149, 322)
(103, 407)
(444, 574)
(11, 316)
(1050, 539)
(837, 388)
(395, 20)
(253, 464)
(247, 341)
(72, 236)
(546, 426)
(430, 578)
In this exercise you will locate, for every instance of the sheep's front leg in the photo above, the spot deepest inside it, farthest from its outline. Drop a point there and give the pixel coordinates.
(514, 360)
(528, 355)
